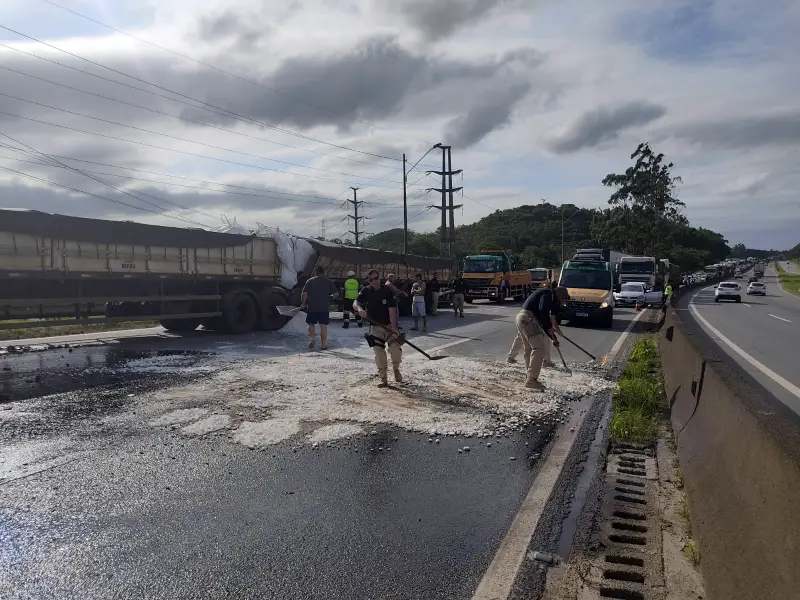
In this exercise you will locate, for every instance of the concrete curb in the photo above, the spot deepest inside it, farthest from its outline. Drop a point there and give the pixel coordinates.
(739, 450)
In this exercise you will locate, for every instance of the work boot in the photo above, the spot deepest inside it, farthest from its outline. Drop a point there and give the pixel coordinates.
(533, 384)
(397, 376)
(511, 360)
(311, 344)
(549, 364)
(384, 381)
(346, 325)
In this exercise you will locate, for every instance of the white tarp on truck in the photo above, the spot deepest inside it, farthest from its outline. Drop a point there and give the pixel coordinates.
(293, 252)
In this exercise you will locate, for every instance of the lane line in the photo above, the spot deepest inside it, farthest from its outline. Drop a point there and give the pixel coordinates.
(499, 578)
(784, 383)
(746, 304)
(779, 318)
(612, 354)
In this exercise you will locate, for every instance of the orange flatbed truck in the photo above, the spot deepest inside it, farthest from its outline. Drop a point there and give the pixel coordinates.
(484, 273)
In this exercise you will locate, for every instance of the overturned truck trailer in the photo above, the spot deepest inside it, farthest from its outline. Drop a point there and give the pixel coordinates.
(61, 270)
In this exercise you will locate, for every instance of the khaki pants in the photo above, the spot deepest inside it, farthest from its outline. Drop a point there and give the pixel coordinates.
(458, 303)
(434, 303)
(533, 341)
(395, 351)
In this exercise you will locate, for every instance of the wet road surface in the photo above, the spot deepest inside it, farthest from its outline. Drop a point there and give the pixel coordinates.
(96, 503)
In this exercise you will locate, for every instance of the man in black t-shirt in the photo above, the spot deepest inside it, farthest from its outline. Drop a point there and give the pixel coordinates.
(459, 294)
(377, 303)
(535, 330)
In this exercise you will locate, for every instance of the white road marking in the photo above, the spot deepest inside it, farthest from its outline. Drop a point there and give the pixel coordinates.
(747, 305)
(784, 383)
(499, 577)
(447, 345)
(779, 318)
(612, 354)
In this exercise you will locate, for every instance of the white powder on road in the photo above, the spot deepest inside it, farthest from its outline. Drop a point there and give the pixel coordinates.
(266, 433)
(207, 425)
(181, 415)
(339, 431)
(458, 396)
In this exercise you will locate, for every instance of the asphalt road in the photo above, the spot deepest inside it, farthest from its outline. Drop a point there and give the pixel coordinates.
(761, 335)
(94, 503)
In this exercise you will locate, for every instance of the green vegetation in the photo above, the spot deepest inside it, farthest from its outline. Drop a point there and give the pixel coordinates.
(645, 217)
(50, 331)
(789, 282)
(637, 398)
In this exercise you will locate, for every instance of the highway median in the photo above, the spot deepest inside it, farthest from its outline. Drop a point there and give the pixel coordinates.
(739, 453)
(789, 282)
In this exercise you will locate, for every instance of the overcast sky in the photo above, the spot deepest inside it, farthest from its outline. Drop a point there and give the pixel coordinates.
(311, 97)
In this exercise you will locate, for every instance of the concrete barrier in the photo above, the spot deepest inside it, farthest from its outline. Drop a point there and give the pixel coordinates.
(739, 451)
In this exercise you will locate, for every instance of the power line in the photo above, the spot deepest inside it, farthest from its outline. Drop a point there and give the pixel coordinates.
(223, 160)
(218, 69)
(102, 181)
(179, 117)
(227, 112)
(180, 139)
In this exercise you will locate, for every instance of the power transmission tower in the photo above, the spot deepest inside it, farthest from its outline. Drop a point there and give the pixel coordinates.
(322, 229)
(357, 233)
(448, 232)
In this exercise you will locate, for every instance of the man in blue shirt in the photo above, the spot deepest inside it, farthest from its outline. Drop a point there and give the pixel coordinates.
(535, 330)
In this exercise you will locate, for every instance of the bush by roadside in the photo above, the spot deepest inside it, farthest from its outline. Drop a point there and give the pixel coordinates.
(636, 400)
(789, 282)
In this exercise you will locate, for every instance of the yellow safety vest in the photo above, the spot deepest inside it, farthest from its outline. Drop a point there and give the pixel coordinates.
(351, 289)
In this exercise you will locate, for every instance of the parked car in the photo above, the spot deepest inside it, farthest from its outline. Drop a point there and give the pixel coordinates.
(728, 290)
(633, 292)
(756, 288)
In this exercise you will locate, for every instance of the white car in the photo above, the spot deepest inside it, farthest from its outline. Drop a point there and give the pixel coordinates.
(728, 290)
(633, 292)
(757, 288)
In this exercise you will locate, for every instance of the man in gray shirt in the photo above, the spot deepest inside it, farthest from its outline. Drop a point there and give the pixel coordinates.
(316, 301)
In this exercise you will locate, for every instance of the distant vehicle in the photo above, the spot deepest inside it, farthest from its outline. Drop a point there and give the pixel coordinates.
(737, 275)
(591, 289)
(484, 272)
(541, 277)
(643, 269)
(752, 278)
(728, 290)
(635, 292)
(756, 288)
(758, 270)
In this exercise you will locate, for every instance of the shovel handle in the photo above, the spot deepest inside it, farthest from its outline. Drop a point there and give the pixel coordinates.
(586, 352)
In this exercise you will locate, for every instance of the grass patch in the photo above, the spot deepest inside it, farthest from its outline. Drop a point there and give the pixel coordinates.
(636, 400)
(790, 282)
(52, 330)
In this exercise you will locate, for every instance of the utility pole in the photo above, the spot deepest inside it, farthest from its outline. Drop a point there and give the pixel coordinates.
(405, 207)
(356, 219)
(448, 234)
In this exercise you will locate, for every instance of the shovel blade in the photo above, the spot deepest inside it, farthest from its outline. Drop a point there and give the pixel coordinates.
(287, 311)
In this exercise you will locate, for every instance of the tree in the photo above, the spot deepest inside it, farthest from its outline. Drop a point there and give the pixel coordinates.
(645, 208)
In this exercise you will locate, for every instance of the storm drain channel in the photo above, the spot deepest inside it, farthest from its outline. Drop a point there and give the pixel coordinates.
(631, 565)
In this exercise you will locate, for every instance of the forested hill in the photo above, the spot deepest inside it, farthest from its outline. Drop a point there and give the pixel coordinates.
(533, 234)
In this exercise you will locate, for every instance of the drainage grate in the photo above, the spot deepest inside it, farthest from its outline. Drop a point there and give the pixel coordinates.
(631, 561)
(623, 576)
(629, 527)
(623, 490)
(628, 471)
(630, 482)
(621, 594)
(630, 499)
(624, 514)
(628, 539)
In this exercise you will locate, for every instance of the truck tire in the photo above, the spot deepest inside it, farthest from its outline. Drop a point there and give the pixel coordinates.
(239, 312)
(608, 322)
(269, 319)
(179, 325)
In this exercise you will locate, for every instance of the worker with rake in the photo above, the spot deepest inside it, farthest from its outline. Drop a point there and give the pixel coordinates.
(377, 304)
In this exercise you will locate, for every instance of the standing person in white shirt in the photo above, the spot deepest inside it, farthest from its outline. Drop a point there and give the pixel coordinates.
(418, 303)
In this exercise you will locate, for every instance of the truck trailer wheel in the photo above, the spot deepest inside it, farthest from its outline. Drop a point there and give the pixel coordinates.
(239, 312)
(179, 325)
(269, 319)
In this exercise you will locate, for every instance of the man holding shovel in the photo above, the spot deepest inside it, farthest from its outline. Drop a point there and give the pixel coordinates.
(535, 331)
(377, 304)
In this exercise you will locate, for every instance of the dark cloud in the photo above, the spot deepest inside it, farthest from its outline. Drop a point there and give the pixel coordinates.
(376, 80)
(781, 129)
(605, 124)
(439, 19)
(237, 31)
(482, 119)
